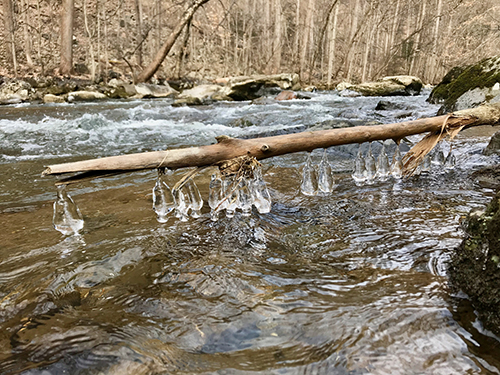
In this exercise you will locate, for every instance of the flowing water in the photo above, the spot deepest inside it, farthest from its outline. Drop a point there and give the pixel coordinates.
(352, 282)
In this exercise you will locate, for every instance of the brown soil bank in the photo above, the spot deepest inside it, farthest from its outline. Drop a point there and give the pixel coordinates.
(475, 265)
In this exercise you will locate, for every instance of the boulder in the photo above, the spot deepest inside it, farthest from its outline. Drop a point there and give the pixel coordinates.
(84, 96)
(385, 105)
(247, 88)
(474, 267)
(202, 94)
(14, 91)
(146, 90)
(387, 86)
(468, 87)
(50, 98)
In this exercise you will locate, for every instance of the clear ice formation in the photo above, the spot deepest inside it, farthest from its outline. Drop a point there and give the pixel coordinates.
(397, 164)
(309, 185)
(426, 163)
(163, 200)
(438, 157)
(245, 197)
(325, 177)
(450, 161)
(67, 218)
(260, 195)
(195, 198)
(183, 204)
(359, 175)
(383, 167)
(370, 165)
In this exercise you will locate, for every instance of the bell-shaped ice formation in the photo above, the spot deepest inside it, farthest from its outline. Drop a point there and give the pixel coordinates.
(163, 200)
(215, 197)
(67, 218)
(359, 174)
(438, 157)
(195, 198)
(397, 164)
(260, 195)
(325, 177)
(450, 161)
(309, 185)
(370, 165)
(183, 204)
(383, 167)
(245, 197)
(232, 196)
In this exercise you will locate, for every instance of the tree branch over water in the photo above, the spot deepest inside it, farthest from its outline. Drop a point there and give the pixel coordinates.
(228, 148)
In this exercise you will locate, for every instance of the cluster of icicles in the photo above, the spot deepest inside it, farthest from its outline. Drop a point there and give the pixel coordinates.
(318, 180)
(229, 193)
(232, 193)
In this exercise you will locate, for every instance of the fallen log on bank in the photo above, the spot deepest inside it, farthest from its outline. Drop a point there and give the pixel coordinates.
(228, 148)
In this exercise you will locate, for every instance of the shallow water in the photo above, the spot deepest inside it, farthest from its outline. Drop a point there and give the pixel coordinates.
(351, 283)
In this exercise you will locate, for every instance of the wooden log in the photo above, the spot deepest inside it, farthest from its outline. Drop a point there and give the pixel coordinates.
(261, 148)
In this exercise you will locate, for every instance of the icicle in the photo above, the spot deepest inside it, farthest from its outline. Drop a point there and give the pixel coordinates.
(370, 165)
(450, 161)
(309, 184)
(383, 168)
(215, 197)
(232, 197)
(183, 204)
(426, 164)
(67, 218)
(438, 157)
(245, 198)
(397, 164)
(359, 175)
(325, 177)
(260, 195)
(163, 200)
(195, 198)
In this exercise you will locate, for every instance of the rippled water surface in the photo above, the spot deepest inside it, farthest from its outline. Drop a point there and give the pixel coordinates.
(351, 283)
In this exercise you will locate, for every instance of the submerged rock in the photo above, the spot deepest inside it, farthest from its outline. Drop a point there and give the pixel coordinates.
(475, 265)
(468, 87)
(387, 86)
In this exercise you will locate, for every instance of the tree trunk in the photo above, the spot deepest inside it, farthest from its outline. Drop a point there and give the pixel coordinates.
(27, 38)
(277, 36)
(331, 47)
(8, 16)
(67, 17)
(151, 69)
(183, 50)
(138, 15)
(262, 148)
(90, 41)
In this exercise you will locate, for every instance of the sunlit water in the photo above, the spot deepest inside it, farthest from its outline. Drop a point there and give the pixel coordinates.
(349, 283)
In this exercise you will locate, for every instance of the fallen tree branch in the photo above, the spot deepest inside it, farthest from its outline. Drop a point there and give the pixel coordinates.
(228, 148)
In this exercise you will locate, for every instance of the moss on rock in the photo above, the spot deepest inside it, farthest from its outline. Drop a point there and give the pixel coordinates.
(475, 265)
(459, 81)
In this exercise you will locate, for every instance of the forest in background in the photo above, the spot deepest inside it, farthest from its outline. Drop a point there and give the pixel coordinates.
(324, 41)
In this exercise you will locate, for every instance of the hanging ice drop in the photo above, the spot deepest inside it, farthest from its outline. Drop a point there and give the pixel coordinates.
(383, 168)
(195, 198)
(232, 197)
(438, 157)
(426, 163)
(245, 198)
(183, 204)
(397, 164)
(309, 185)
(325, 177)
(215, 197)
(67, 218)
(450, 161)
(260, 195)
(359, 175)
(163, 200)
(370, 165)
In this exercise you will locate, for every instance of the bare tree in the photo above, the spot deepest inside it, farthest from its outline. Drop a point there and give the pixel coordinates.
(8, 16)
(67, 18)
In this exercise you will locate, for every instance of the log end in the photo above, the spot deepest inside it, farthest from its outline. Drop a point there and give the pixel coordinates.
(46, 172)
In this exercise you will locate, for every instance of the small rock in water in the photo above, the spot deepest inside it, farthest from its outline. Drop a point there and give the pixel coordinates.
(67, 218)
(309, 185)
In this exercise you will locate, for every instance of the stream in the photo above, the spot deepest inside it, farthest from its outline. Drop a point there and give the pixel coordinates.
(354, 282)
